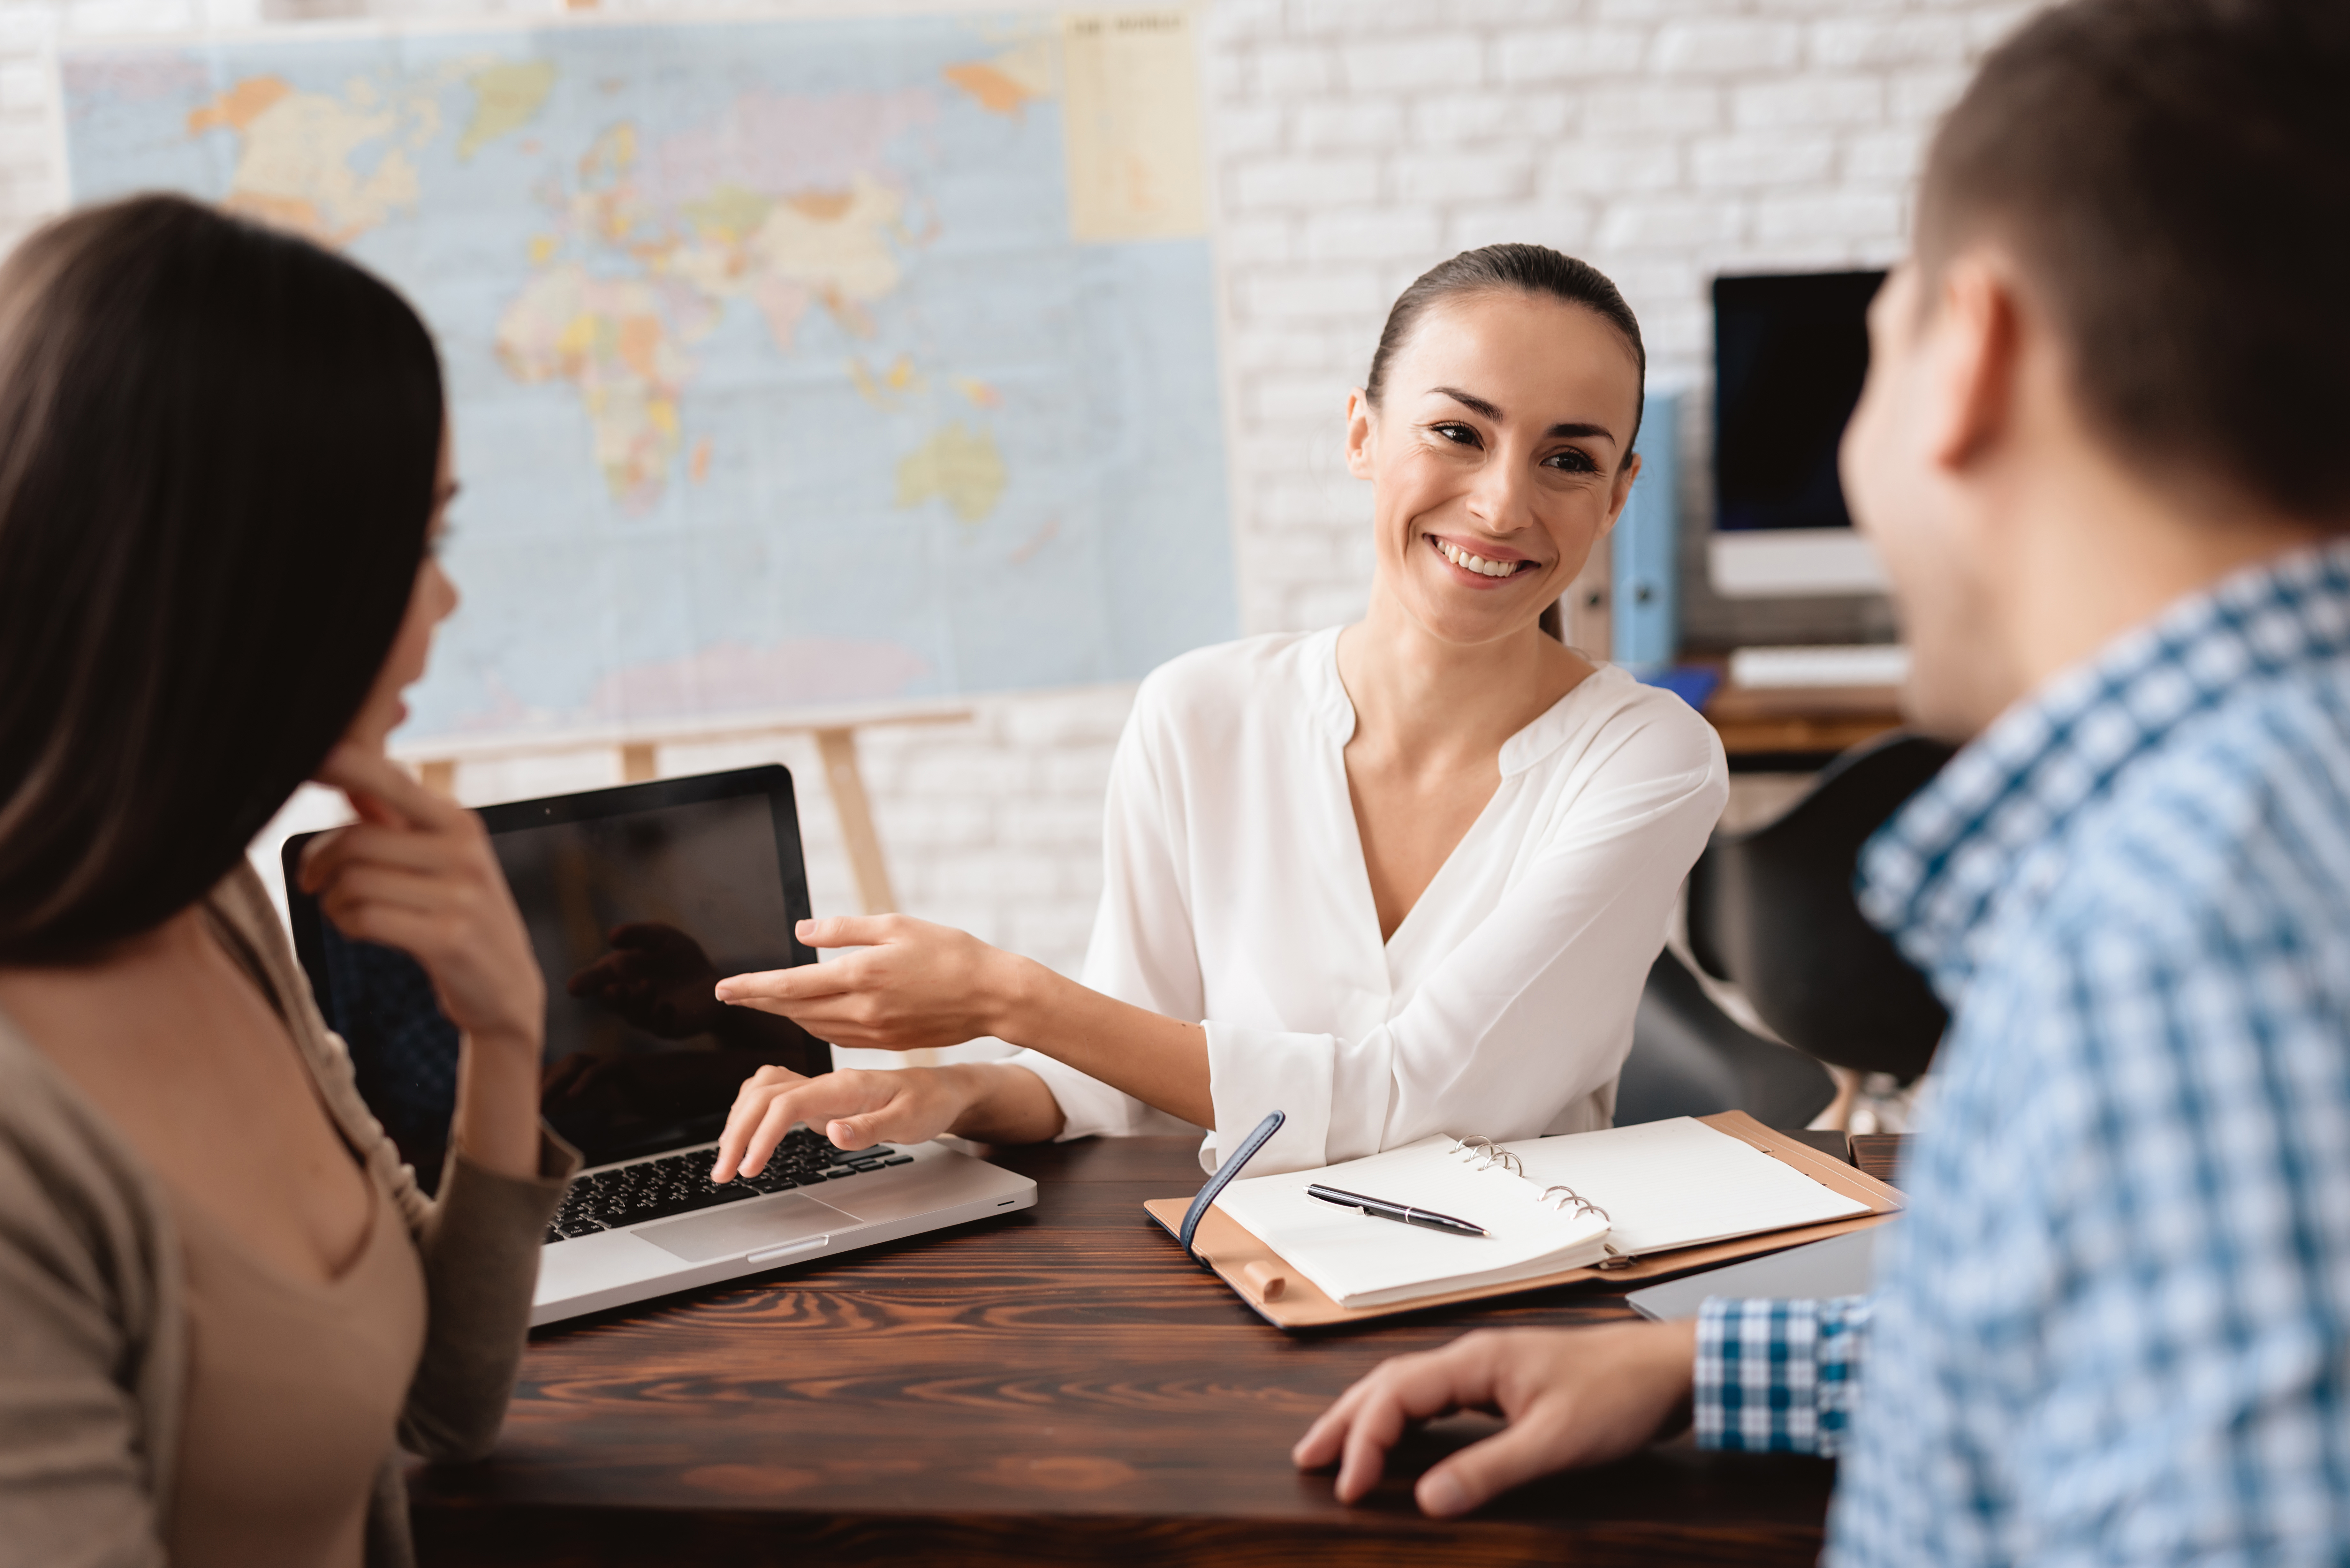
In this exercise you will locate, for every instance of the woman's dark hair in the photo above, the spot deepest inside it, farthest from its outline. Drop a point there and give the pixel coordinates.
(1529, 269)
(218, 451)
(2173, 177)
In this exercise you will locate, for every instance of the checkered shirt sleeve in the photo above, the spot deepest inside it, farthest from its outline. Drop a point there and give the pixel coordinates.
(1778, 1374)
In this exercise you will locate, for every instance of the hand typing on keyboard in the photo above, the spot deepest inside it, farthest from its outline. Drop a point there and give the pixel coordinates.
(626, 1195)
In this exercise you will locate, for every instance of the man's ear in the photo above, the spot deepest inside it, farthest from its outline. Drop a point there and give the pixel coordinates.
(1360, 445)
(1975, 357)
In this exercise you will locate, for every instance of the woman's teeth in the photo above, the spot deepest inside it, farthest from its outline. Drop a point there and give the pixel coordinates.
(1477, 564)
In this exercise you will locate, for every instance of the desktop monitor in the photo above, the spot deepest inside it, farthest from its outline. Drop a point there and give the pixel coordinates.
(1790, 352)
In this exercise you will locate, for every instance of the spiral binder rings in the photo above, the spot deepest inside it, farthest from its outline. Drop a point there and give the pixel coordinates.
(1622, 1206)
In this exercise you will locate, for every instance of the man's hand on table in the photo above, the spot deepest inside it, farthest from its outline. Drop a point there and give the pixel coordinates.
(1572, 1397)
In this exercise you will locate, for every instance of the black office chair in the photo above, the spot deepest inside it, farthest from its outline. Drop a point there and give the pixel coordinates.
(1691, 1059)
(1771, 910)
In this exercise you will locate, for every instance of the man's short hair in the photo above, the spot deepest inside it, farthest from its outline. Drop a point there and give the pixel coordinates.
(2173, 177)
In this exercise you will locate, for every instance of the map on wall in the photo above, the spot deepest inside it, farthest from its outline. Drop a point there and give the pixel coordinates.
(792, 362)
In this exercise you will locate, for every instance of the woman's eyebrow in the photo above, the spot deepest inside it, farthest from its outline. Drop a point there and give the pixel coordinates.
(1468, 400)
(1478, 405)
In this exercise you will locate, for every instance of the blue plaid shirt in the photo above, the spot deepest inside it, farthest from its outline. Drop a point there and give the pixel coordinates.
(2114, 1324)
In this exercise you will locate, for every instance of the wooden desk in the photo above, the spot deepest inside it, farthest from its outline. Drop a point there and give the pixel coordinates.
(1055, 1386)
(1800, 721)
(1879, 1154)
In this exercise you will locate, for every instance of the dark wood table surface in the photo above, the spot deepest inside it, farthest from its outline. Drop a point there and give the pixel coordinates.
(1053, 1386)
(1818, 720)
(1879, 1154)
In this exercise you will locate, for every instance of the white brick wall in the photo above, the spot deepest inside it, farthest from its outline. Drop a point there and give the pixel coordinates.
(1355, 142)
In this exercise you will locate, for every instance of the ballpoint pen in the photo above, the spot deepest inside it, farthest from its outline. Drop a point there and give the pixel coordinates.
(1381, 1209)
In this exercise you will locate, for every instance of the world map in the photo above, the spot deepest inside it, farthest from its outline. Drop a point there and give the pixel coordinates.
(791, 363)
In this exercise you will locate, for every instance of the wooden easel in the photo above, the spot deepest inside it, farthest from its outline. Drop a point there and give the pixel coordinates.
(836, 744)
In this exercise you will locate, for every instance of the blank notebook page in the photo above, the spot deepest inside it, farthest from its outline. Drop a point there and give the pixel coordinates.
(1362, 1262)
(1678, 1183)
(1664, 1185)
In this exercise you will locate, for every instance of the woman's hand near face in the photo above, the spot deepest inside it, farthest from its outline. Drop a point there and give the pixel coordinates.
(416, 873)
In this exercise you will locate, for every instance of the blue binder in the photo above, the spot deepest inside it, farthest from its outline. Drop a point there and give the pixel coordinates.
(1647, 548)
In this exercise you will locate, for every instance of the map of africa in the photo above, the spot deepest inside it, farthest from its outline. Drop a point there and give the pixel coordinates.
(791, 363)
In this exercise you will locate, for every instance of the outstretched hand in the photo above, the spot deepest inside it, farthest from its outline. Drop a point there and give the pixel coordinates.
(1572, 1397)
(915, 986)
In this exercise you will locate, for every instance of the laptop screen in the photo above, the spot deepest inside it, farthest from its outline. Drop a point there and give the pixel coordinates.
(636, 900)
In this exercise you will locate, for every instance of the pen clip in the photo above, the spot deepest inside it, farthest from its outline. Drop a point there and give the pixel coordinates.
(1222, 1179)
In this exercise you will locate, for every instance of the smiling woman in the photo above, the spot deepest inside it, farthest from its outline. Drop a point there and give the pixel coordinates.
(1394, 878)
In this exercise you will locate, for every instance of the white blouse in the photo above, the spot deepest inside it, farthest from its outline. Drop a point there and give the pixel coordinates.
(1235, 893)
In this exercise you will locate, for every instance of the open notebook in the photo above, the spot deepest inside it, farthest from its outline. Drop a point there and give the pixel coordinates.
(1550, 1204)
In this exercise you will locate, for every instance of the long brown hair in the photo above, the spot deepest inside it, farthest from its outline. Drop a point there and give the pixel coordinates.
(218, 451)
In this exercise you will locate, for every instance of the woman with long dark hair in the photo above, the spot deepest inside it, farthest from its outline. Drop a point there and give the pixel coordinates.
(225, 1306)
(1394, 878)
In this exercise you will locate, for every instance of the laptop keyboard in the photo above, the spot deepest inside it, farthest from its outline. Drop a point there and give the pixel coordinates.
(681, 1184)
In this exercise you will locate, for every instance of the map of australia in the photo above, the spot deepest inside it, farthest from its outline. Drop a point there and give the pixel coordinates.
(791, 363)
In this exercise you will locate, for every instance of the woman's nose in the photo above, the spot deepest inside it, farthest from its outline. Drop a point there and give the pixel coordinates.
(1500, 500)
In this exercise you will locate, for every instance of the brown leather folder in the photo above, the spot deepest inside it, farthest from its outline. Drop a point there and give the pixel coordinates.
(1288, 1299)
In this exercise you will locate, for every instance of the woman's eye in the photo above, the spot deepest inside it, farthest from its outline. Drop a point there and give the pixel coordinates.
(1571, 461)
(1459, 435)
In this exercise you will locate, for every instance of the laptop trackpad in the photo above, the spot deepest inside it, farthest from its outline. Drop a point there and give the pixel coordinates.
(744, 1227)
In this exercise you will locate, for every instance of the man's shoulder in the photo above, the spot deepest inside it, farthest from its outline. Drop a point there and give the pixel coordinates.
(2231, 836)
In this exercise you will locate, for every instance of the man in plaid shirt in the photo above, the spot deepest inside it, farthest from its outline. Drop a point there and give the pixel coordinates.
(2102, 451)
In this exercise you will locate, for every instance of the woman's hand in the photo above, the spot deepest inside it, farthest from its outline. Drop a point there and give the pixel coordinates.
(918, 985)
(915, 985)
(1572, 1397)
(416, 873)
(854, 1108)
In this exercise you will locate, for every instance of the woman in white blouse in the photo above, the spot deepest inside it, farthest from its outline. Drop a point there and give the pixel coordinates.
(1400, 878)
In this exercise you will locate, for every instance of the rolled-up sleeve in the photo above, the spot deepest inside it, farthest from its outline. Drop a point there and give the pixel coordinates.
(480, 1242)
(1778, 1375)
(1141, 951)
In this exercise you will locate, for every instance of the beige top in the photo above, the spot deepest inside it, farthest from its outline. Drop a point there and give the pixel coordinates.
(293, 1392)
(103, 1384)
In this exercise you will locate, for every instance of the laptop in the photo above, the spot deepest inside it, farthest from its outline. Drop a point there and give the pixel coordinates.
(638, 900)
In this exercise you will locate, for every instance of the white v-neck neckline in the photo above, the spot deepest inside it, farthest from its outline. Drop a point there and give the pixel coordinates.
(1525, 746)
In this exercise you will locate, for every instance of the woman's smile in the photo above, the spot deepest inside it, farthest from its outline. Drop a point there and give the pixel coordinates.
(1480, 564)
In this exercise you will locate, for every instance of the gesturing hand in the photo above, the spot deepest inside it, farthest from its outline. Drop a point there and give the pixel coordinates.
(1572, 1397)
(416, 873)
(915, 985)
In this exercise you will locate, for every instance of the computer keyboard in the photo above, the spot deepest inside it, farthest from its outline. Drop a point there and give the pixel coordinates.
(680, 1183)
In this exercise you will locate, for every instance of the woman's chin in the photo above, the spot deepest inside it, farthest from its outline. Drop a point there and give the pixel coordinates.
(1474, 616)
